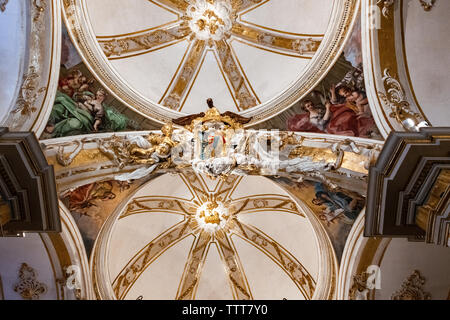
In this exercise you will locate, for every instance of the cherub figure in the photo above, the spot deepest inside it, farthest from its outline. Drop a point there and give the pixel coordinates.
(75, 82)
(355, 99)
(161, 145)
(336, 203)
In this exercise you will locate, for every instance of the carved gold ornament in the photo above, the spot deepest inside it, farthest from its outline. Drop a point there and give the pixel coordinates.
(39, 6)
(359, 289)
(216, 145)
(213, 115)
(385, 7)
(29, 92)
(401, 111)
(212, 215)
(28, 287)
(210, 19)
(40, 72)
(412, 289)
(427, 5)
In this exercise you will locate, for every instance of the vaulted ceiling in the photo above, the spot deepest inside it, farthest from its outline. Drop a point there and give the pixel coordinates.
(164, 58)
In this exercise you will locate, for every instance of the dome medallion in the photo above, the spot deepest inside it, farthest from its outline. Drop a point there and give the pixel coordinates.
(212, 216)
(209, 19)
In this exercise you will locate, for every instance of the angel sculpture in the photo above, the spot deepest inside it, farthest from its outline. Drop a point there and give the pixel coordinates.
(156, 147)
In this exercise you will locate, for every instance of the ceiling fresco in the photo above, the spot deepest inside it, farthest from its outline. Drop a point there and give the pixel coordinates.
(226, 149)
(83, 106)
(173, 211)
(339, 104)
(336, 209)
(91, 204)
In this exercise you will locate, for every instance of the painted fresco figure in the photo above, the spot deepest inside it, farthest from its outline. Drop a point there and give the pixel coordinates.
(74, 82)
(84, 197)
(333, 119)
(346, 113)
(354, 99)
(78, 111)
(337, 203)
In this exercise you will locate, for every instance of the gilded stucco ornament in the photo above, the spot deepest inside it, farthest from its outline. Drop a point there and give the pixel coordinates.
(412, 288)
(395, 99)
(427, 5)
(359, 289)
(35, 94)
(29, 93)
(29, 287)
(210, 19)
(212, 144)
(215, 144)
(386, 7)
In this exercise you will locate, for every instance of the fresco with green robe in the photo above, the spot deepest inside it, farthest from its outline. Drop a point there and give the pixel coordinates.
(83, 106)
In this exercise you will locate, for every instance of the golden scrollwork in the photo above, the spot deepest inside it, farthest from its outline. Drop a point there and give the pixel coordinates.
(259, 203)
(155, 149)
(159, 204)
(193, 268)
(243, 93)
(412, 288)
(359, 289)
(131, 272)
(182, 79)
(296, 271)
(141, 43)
(39, 6)
(395, 99)
(294, 45)
(28, 287)
(236, 275)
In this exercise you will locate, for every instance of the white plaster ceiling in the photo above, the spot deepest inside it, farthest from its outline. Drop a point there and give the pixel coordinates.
(152, 56)
(13, 46)
(175, 271)
(403, 257)
(31, 250)
(427, 46)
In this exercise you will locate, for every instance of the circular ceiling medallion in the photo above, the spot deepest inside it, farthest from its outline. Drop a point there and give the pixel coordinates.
(164, 58)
